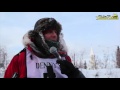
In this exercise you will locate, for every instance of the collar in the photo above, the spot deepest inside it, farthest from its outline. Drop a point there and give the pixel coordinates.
(62, 53)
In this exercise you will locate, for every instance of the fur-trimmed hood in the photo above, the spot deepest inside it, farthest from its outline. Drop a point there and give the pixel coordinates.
(26, 41)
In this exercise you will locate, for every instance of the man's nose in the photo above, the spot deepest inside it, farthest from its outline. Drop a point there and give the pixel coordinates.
(54, 33)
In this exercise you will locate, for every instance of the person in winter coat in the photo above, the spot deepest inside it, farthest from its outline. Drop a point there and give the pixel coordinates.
(45, 54)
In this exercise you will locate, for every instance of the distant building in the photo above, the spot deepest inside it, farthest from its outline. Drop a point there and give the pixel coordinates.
(92, 60)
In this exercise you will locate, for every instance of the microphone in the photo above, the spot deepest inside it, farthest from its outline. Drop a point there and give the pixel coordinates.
(53, 50)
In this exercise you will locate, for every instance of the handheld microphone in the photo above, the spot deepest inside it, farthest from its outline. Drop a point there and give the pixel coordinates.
(53, 50)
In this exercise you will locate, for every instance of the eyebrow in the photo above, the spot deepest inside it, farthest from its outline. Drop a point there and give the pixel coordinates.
(47, 31)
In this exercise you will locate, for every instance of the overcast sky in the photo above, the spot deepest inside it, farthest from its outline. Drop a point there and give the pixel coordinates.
(81, 29)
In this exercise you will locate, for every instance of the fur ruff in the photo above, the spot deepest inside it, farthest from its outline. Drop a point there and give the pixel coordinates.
(26, 41)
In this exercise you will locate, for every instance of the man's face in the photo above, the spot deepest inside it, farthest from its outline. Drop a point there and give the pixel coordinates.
(50, 35)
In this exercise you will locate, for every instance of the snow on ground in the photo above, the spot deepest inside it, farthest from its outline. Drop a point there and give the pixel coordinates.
(102, 73)
(98, 73)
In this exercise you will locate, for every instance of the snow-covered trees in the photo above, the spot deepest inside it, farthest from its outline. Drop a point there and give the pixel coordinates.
(3, 57)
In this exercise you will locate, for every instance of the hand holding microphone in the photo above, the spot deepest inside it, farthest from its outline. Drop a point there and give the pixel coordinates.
(66, 67)
(69, 69)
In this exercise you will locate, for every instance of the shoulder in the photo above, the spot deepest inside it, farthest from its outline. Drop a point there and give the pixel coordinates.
(20, 54)
(65, 54)
(22, 51)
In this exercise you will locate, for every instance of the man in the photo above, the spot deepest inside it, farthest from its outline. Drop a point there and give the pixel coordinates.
(37, 59)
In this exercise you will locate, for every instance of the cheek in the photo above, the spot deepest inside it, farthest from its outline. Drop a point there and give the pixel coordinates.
(46, 36)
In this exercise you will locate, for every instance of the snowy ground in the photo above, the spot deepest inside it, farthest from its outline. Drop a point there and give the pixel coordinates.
(102, 73)
(98, 73)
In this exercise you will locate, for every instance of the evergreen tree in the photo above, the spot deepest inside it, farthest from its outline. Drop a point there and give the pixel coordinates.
(118, 57)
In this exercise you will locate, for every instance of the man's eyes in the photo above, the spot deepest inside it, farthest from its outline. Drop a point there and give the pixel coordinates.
(51, 31)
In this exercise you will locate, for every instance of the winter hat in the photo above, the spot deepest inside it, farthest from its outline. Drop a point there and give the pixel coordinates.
(41, 45)
(46, 24)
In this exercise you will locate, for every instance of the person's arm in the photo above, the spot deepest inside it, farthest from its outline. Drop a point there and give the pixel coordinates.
(69, 69)
(12, 68)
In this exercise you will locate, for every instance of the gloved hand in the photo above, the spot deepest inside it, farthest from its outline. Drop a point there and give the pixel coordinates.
(69, 69)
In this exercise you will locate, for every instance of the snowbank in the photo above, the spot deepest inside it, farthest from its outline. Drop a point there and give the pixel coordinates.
(98, 73)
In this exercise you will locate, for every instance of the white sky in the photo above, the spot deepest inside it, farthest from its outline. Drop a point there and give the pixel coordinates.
(81, 30)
